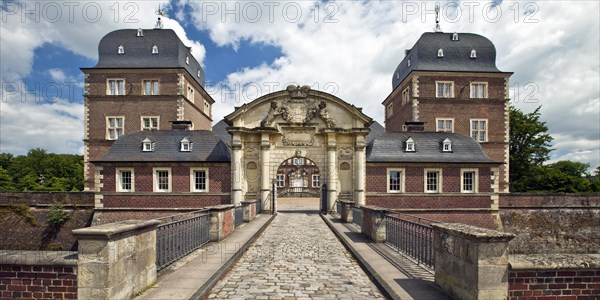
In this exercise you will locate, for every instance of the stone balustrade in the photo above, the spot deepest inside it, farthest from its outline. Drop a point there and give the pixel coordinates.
(346, 211)
(249, 210)
(373, 223)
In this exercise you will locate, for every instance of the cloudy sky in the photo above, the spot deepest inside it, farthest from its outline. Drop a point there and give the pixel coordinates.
(347, 48)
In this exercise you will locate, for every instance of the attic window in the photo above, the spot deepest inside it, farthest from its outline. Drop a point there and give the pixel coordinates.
(147, 145)
(410, 145)
(186, 145)
(121, 49)
(409, 62)
(440, 52)
(187, 60)
(198, 74)
(140, 32)
(154, 49)
(455, 36)
(397, 75)
(473, 53)
(447, 145)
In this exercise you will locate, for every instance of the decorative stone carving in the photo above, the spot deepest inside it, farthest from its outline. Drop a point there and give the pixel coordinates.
(344, 166)
(298, 108)
(251, 150)
(345, 153)
(293, 140)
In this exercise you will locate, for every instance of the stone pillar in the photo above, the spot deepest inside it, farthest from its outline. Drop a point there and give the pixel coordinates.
(236, 169)
(346, 213)
(265, 182)
(373, 223)
(332, 169)
(116, 260)
(360, 170)
(249, 210)
(471, 262)
(221, 221)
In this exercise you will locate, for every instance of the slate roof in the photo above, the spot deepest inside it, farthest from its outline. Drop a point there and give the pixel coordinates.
(457, 55)
(172, 52)
(390, 147)
(206, 147)
(376, 130)
(220, 129)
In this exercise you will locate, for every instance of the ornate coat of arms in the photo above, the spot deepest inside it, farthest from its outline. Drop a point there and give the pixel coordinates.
(298, 108)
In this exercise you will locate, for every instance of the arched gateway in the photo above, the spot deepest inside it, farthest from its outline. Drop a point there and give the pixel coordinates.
(302, 123)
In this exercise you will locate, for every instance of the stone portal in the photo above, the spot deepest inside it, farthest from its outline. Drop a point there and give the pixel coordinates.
(303, 124)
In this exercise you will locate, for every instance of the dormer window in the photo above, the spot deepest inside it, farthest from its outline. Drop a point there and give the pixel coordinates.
(147, 145)
(140, 32)
(455, 36)
(198, 74)
(408, 62)
(185, 145)
(121, 49)
(397, 75)
(473, 53)
(154, 49)
(410, 145)
(440, 52)
(187, 60)
(447, 145)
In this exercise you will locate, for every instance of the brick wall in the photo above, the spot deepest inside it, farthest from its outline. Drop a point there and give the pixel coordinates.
(164, 200)
(38, 282)
(400, 201)
(228, 222)
(541, 201)
(554, 284)
(414, 178)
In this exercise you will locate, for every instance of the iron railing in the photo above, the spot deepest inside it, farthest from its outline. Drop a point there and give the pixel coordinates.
(411, 236)
(259, 206)
(180, 235)
(238, 216)
(338, 207)
(357, 216)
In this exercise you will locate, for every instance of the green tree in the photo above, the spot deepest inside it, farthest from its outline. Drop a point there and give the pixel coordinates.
(560, 177)
(6, 181)
(595, 182)
(529, 146)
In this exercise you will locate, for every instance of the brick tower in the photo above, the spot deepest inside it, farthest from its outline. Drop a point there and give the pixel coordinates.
(144, 79)
(450, 82)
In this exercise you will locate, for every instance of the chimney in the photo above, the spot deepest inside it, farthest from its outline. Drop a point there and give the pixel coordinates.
(181, 125)
(414, 126)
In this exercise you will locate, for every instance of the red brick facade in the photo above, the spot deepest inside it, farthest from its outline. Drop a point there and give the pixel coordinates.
(38, 282)
(554, 284)
(461, 108)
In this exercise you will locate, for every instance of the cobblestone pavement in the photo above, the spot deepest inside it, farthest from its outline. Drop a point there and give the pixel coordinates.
(297, 257)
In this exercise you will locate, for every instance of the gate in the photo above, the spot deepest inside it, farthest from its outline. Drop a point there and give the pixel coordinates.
(324, 199)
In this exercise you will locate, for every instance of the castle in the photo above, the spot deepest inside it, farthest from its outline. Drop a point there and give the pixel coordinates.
(443, 152)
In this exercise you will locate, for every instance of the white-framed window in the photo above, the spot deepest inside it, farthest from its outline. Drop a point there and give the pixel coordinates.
(473, 53)
(190, 93)
(298, 161)
(444, 124)
(125, 180)
(162, 179)
(395, 180)
(115, 87)
(121, 49)
(199, 180)
(479, 130)
(187, 60)
(433, 180)
(140, 32)
(154, 49)
(280, 180)
(114, 127)
(316, 180)
(198, 74)
(185, 145)
(150, 87)
(444, 89)
(405, 96)
(408, 62)
(440, 52)
(455, 36)
(390, 109)
(150, 122)
(469, 179)
(410, 145)
(447, 145)
(479, 90)
(147, 145)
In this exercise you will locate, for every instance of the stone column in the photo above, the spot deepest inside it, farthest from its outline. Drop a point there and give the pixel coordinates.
(265, 180)
(332, 169)
(116, 260)
(471, 262)
(360, 170)
(236, 169)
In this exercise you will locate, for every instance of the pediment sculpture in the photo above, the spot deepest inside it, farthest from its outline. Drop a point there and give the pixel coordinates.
(298, 108)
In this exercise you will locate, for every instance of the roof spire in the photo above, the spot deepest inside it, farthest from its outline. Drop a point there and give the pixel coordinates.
(437, 18)
(159, 13)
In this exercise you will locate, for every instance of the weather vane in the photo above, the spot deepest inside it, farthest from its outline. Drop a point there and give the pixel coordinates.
(159, 13)
(437, 18)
